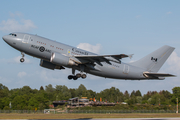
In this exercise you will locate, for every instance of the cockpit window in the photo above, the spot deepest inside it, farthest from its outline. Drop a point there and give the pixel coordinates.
(13, 34)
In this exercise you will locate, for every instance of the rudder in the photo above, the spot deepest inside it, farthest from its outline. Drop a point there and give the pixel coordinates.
(154, 61)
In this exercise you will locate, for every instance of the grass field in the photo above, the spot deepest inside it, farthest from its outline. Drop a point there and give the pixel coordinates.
(80, 116)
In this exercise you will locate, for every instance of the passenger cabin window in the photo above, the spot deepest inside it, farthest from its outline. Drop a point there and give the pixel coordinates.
(13, 34)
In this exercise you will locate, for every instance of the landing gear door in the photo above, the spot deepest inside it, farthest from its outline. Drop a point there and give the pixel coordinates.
(26, 39)
(126, 69)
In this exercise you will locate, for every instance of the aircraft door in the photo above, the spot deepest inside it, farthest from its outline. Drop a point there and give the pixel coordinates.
(26, 39)
(126, 69)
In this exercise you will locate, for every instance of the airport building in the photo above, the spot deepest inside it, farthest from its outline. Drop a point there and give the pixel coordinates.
(76, 102)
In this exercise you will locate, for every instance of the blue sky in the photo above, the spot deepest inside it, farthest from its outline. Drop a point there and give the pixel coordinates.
(104, 26)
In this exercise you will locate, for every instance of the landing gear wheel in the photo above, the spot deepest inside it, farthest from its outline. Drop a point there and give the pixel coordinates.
(22, 60)
(70, 77)
(78, 75)
(75, 78)
(83, 76)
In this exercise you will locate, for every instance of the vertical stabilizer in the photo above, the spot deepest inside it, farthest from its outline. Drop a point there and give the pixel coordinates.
(154, 61)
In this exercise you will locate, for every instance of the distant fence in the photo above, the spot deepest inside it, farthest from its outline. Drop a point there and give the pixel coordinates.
(21, 111)
(121, 111)
(88, 111)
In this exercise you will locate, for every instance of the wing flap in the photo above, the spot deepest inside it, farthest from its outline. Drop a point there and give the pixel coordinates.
(103, 58)
(120, 56)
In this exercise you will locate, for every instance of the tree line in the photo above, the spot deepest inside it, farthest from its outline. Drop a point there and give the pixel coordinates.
(26, 98)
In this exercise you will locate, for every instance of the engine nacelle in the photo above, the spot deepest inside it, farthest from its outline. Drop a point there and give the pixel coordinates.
(60, 59)
(50, 65)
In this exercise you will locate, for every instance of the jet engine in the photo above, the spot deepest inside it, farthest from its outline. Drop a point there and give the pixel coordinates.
(50, 65)
(59, 59)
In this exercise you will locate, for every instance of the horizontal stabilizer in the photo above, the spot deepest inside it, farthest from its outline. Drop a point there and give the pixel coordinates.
(157, 75)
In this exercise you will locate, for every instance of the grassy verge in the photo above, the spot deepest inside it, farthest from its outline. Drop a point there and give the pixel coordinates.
(80, 116)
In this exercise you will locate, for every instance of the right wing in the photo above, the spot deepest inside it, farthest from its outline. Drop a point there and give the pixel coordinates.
(102, 58)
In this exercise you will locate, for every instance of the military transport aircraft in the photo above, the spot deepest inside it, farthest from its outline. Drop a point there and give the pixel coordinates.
(55, 55)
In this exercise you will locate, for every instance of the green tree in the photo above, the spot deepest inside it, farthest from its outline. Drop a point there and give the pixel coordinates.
(153, 93)
(81, 91)
(126, 95)
(166, 94)
(165, 97)
(139, 99)
(33, 102)
(62, 92)
(147, 95)
(155, 99)
(41, 88)
(73, 92)
(3, 91)
(26, 90)
(6, 108)
(50, 92)
(149, 100)
(112, 95)
(132, 93)
(138, 93)
(4, 102)
(92, 94)
(176, 94)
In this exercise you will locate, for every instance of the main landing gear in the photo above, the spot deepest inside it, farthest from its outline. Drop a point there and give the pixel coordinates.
(78, 75)
(22, 59)
(75, 77)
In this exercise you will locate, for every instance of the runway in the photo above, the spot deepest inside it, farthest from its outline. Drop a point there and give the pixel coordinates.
(106, 119)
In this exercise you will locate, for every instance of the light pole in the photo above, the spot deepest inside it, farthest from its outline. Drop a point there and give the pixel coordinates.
(177, 105)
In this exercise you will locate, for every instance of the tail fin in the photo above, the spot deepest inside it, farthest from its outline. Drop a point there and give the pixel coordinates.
(154, 61)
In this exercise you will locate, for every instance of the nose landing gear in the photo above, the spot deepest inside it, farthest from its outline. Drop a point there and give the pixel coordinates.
(22, 59)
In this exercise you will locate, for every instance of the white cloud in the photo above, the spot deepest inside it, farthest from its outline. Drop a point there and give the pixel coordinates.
(12, 25)
(138, 16)
(16, 14)
(21, 74)
(169, 13)
(16, 25)
(174, 63)
(92, 48)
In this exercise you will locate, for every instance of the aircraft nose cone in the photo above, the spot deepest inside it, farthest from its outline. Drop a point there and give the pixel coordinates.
(4, 38)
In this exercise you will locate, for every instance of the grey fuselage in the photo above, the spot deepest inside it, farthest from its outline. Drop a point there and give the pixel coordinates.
(31, 45)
